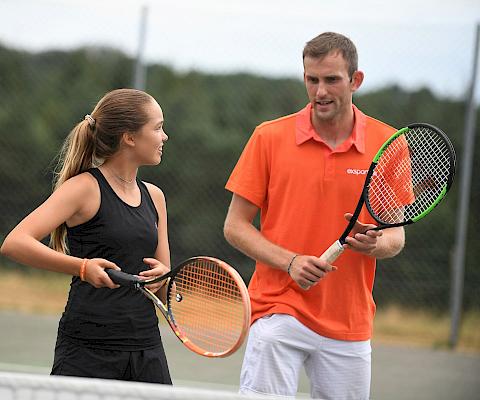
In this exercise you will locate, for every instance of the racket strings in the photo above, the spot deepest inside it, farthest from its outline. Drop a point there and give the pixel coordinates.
(207, 306)
(410, 175)
(430, 174)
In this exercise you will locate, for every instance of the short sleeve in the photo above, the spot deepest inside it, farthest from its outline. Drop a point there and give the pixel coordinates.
(249, 179)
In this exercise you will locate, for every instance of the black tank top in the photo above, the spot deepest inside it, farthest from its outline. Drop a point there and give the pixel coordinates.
(121, 318)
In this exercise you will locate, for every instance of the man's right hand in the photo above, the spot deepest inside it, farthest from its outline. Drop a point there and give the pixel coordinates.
(307, 271)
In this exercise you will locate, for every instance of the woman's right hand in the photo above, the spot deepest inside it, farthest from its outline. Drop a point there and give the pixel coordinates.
(95, 273)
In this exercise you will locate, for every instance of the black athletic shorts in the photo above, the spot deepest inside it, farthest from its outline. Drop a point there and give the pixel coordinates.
(141, 366)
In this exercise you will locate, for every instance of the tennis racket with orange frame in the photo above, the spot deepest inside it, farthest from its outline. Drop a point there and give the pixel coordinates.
(207, 304)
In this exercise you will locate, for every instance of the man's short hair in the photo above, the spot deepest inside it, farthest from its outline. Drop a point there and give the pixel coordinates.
(328, 42)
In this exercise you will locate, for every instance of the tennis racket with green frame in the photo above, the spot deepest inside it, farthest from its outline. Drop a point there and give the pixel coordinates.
(408, 177)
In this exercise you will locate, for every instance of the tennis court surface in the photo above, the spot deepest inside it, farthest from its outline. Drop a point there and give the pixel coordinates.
(399, 371)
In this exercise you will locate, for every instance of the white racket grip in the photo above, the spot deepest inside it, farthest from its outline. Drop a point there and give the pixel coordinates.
(332, 253)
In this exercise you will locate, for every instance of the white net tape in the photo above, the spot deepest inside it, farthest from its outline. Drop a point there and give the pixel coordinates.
(17, 386)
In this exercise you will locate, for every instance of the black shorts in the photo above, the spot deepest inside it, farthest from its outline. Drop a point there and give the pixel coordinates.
(141, 366)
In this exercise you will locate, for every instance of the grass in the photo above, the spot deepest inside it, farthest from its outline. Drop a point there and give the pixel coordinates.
(42, 293)
(420, 327)
(46, 293)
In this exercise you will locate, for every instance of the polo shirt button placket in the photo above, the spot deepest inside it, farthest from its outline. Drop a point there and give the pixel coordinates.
(330, 167)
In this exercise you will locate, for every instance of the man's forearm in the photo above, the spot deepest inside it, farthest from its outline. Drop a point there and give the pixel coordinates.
(390, 243)
(250, 241)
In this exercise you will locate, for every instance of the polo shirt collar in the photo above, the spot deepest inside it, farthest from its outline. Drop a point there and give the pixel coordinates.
(305, 131)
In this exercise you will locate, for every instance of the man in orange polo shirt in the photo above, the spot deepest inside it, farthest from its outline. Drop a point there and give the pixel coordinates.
(304, 174)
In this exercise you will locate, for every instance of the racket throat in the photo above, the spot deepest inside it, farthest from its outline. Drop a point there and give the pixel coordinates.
(352, 221)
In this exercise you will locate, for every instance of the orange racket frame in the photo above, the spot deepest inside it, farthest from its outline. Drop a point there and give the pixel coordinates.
(207, 307)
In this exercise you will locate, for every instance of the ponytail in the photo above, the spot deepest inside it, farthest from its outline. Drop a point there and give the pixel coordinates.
(96, 139)
(75, 157)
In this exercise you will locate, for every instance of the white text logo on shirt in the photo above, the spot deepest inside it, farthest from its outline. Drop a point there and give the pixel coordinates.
(353, 171)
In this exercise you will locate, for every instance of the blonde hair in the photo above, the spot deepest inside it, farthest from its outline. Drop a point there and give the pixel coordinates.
(97, 138)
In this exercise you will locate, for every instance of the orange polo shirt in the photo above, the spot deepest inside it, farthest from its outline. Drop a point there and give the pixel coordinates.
(303, 189)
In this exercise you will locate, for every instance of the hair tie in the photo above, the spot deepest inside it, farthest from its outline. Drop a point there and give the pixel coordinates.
(91, 120)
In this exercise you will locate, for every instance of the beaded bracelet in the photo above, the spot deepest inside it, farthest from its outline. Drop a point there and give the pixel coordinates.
(290, 265)
(83, 269)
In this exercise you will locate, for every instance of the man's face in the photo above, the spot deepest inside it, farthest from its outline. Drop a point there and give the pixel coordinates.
(329, 86)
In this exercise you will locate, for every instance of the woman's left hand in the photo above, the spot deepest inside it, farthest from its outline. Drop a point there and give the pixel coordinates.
(156, 269)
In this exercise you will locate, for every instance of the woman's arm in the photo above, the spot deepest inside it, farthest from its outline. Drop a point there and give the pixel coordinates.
(70, 201)
(159, 265)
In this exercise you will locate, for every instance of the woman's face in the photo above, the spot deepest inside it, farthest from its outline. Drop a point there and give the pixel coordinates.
(151, 137)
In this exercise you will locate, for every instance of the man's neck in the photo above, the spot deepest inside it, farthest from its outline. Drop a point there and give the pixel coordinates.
(334, 132)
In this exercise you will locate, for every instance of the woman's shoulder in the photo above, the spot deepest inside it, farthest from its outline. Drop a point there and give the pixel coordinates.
(155, 192)
(83, 183)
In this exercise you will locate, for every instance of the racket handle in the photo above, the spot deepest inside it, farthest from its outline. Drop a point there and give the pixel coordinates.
(332, 253)
(121, 278)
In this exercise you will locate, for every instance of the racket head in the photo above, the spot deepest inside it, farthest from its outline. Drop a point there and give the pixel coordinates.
(208, 306)
(412, 173)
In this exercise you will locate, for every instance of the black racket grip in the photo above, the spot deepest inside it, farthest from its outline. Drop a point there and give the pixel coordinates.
(122, 278)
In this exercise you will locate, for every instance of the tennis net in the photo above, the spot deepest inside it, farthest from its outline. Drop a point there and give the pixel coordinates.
(20, 386)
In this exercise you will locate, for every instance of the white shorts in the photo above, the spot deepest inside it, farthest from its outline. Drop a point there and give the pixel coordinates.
(279, 345)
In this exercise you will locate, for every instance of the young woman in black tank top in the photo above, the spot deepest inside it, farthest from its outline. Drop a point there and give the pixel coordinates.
(101, 216)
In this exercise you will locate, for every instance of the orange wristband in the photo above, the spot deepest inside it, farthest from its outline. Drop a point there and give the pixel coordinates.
(83, 269)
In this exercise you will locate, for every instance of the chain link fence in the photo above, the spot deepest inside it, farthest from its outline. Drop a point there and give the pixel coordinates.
(209, 118)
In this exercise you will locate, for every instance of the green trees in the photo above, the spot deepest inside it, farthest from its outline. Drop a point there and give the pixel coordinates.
(208, 118)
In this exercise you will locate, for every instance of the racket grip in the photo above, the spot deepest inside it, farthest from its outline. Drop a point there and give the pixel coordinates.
(121, 278)
(332, 253)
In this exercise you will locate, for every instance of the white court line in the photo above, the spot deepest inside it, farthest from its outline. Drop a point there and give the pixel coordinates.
(7, 367)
